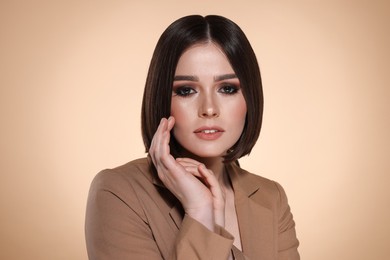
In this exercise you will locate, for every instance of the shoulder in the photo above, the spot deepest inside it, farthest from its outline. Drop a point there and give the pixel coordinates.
(128, 170)
(125, 176)
(122, 186)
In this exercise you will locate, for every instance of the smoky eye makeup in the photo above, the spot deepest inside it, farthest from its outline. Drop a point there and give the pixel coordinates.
(229, 89)
(183, 91)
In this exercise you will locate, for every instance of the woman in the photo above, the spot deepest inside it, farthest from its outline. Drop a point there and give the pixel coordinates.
(189, 199)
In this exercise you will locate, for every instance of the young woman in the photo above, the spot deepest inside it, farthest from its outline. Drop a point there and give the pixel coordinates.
(189, 199)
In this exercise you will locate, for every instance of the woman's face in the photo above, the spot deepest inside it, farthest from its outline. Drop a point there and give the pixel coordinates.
(207, 102)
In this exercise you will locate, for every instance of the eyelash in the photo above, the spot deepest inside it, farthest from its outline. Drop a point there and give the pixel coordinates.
(186, 91)
(228, 89)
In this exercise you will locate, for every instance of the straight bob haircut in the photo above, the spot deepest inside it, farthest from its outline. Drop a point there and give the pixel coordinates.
(175, 40)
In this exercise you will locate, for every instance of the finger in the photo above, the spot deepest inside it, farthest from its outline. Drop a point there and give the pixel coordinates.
(211, 181)
(189, 160)
(160, 150)
(164, 148)
(187, 164)
(190, 166)
(156, 141)
(171, 123)
(207, 175)
(193, 170)
(217, 193)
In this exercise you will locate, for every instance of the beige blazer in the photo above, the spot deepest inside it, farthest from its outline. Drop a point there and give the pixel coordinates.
(131, 215)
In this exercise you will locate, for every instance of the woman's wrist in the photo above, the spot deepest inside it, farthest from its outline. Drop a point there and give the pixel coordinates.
(219, 218)
(203, 216)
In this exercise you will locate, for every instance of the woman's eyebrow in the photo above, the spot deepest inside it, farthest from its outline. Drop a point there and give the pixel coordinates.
(225, 76)
(185, 78)
(195, 78)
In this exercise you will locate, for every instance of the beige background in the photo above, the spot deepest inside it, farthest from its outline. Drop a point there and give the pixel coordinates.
(71, 82)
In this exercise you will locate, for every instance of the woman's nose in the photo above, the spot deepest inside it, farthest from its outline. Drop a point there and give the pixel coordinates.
(208, 107)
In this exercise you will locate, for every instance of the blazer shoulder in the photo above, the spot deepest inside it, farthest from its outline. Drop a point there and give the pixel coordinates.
(123, 183)
(125, 180)
(127, 173)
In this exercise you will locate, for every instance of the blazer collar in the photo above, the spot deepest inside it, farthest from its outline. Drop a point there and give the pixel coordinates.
(241, 180)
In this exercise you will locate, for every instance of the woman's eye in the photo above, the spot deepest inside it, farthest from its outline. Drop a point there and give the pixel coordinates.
(184, 91)
(229, 89)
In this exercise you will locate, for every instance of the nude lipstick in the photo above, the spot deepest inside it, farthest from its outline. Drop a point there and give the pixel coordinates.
(209, 132)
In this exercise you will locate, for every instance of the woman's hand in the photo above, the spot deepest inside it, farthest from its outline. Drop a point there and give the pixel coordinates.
(208, 178)
(196, 190)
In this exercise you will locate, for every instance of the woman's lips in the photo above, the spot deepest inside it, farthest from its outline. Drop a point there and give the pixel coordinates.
(209, 133)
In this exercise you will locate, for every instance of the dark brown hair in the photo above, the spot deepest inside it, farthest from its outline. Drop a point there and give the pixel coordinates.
(178, 37)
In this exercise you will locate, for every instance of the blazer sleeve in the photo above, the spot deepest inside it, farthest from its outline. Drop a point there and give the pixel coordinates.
(195, 241)
(287, 238)
(116, 227)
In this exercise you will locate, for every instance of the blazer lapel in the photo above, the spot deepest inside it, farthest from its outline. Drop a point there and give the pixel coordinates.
(176, 214)
(254, 219)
